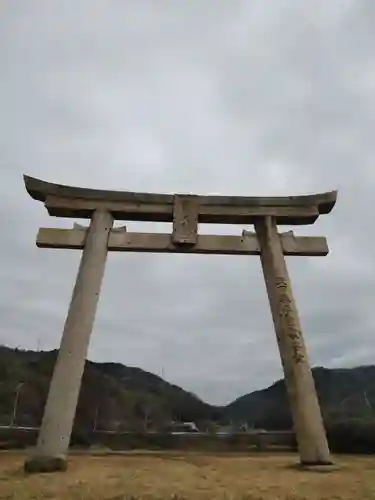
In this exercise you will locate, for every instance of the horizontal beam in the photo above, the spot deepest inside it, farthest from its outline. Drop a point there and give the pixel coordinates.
(131, 211)
(75, 202)
(123, 241)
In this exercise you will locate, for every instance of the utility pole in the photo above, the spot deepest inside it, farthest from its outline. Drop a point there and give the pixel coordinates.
(367, 401)
(15, 404)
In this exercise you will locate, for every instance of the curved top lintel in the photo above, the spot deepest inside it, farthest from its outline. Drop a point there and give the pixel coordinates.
(39, 190)
(322, 203)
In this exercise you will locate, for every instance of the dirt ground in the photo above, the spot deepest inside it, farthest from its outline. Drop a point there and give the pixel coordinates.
(188, 476)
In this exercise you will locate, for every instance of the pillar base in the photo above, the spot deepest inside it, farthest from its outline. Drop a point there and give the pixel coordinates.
(36, 465)
(317, 466)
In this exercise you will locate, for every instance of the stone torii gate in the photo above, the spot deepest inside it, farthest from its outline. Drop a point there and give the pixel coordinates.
(185, 212)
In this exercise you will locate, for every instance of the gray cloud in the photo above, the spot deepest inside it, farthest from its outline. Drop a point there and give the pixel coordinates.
(243, 98)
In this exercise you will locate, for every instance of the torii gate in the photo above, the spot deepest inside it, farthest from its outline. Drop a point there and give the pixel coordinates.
(185, 212)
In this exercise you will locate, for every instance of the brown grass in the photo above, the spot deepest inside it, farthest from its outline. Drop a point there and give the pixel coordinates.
(190, 476)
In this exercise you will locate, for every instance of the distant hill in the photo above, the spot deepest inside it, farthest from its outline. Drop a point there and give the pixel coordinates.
(344, 393)
(117, 396)
(111, 394)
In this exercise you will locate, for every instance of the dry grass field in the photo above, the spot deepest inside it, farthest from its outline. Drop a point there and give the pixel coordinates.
(188, 476)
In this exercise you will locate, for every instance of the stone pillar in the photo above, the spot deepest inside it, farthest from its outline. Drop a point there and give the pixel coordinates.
(54, 436)
(305, 409)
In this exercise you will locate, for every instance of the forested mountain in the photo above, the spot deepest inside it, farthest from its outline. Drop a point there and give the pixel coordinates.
(344, 393)
(111, 395)
(114, 396)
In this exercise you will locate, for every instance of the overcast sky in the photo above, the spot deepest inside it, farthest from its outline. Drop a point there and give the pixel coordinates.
(261, 97)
